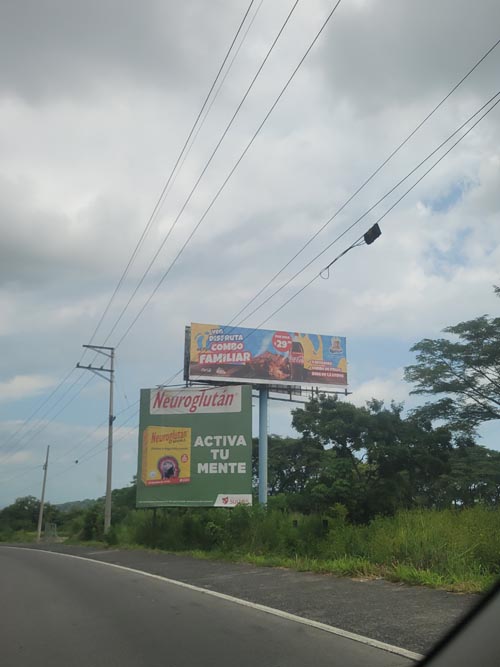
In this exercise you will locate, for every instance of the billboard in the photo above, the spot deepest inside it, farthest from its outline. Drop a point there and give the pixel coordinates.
(258, 356)
(195, 447)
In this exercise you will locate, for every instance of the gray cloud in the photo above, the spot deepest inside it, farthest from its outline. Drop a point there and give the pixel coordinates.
(42, 246)
(391, 53)
(59, 48)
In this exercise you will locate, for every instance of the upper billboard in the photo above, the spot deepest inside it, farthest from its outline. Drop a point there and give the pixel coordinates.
(258, 356)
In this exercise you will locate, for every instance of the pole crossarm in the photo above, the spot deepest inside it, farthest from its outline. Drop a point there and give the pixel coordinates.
(97, 371)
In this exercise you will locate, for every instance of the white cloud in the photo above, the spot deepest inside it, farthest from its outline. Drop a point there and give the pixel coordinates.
(392, 387)
(19, 459)
(23, 386)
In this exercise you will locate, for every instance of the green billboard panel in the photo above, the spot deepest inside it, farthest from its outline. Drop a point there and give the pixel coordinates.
(195, 447)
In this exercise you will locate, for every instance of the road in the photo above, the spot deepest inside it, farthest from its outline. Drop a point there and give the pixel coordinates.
(413, 617)
(59, 611)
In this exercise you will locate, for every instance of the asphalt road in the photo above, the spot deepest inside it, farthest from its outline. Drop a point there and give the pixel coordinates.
(413, 617)
(59, 611)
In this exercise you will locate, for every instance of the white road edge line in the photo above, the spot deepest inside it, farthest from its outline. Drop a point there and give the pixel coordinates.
(246, 603)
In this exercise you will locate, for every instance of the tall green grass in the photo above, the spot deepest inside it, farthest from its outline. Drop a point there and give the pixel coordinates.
(454, 549)
(23, 536)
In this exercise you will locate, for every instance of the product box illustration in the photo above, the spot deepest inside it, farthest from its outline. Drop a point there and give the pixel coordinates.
(166, 455)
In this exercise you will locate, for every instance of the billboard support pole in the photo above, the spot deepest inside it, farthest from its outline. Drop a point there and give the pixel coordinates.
(263, 397)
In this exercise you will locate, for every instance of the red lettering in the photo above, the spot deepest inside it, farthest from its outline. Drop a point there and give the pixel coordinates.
(158, 399)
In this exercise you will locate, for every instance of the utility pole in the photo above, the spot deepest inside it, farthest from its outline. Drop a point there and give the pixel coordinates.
(108, 352)
(42, 499)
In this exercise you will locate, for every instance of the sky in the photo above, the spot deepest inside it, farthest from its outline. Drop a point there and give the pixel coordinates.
(96, 102)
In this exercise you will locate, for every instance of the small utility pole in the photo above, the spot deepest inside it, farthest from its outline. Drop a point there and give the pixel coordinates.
(110, 353)
(42, 499)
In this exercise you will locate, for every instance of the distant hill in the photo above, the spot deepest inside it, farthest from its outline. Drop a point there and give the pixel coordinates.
(75, 505)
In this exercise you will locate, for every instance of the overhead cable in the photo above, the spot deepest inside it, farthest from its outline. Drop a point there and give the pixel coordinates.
(221, 188)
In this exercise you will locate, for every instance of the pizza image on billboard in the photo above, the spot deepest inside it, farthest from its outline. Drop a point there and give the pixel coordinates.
(260, 356)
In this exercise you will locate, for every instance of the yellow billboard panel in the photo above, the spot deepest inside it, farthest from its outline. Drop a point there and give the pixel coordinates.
(166, 455)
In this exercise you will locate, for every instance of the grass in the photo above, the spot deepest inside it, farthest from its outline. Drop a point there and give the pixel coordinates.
(356, 568)
(75, 542)
(456, 550)
(345, 566)
(19, 536)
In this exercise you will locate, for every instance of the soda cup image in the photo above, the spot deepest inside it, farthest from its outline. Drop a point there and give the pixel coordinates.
(297, 370)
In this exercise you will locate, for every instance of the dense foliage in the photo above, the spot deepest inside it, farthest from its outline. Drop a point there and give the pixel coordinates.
(463, 371)
(372, 462)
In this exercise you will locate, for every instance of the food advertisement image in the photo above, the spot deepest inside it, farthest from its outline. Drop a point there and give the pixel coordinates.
(260, 356)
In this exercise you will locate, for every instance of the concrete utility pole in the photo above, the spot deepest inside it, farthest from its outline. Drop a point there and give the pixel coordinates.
(42, 499)
(108, 352)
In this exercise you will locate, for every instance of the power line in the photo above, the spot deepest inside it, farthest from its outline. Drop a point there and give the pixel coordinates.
(93, 451)
(351, 226)
(39, 427)
(180, 156)
(235, 166)
(361, 217)
(33, 428)
(272, 108)
(204, 170)
(153, 214)
(216, 94)
(163, 193)
(82, 440)
(89, 435)
(315, 277)
(365, 183)
(22, 473)
(23, 425)
(337, 212)
(379, 200)
(37, 424)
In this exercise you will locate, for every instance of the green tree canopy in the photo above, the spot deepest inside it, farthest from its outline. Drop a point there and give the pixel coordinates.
(374, 461)
(464, 372)
(23, 514)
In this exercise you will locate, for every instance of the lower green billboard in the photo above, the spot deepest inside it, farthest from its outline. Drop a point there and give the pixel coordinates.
(195, 447)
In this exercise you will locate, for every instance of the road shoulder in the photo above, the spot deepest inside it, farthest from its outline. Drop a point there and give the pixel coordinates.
(409, 617)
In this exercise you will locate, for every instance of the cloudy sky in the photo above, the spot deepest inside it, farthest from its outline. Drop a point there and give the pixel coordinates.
(96, 101)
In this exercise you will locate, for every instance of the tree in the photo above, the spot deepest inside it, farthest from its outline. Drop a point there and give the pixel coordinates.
(407, 459)
(333, 424)
(474, 476)
(23, 514)
(374, 461)
(464, 372)
(292, 462)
